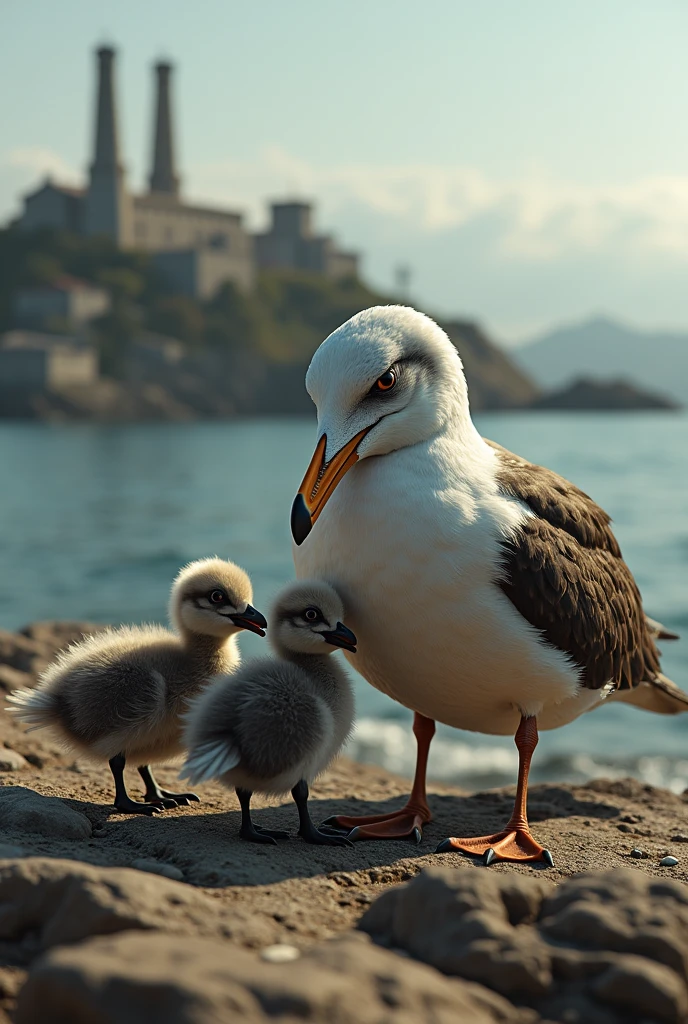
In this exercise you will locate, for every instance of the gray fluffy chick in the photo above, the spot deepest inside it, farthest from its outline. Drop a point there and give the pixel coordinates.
(120, 695)
(274, 725)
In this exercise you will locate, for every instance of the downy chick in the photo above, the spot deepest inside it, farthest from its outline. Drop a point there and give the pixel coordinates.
(119, 696)
(277, 723)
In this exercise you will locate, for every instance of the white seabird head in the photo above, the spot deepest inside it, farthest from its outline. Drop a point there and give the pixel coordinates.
(387, 378)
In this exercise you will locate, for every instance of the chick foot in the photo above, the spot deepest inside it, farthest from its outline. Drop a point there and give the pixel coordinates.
(307, 829)
(163, 797)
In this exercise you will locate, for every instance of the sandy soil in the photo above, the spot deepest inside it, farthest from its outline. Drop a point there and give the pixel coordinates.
(300, 894)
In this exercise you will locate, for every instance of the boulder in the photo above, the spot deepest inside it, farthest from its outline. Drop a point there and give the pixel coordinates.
(606, 948)
(22, 810)
(29, 651)
(45, 903)
(166, 979)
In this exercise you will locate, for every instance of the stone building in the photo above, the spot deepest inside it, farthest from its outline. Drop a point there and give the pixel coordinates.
(291, 242)
(38, 362)
(68, 300)
(197, 247)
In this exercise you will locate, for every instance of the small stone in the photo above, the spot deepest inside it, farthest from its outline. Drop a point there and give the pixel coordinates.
(280, 953)
(156, 867)
(668, 862)
(638, 854)
(680, 838)
(11, 761)
(98, 833)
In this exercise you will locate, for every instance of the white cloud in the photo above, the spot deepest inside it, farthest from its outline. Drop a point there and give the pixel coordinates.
(539, 219)
(38, 160)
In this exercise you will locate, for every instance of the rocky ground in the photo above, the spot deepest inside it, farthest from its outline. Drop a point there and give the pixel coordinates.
(109, 918)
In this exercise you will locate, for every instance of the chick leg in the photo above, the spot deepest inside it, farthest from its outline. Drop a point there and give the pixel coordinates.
(254, 833)
(123, 801)
(307, 829)
(155, 795)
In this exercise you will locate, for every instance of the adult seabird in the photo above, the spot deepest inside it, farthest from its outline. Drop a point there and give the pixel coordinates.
(486, 592)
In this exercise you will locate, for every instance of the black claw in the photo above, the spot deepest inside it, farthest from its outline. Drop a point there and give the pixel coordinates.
(330, 830)
(181, 798)
(254, 836)
(548, 858)
(444, 847)
(417, 835)
(132, 807)
(162, 801)
(275, 834)
(489, 857)
(318, 838)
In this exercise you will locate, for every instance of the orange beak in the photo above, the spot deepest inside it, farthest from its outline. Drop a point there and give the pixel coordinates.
(319, 482)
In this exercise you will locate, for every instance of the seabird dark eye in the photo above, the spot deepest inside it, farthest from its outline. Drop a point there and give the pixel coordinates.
(386, 382)
(218, 596)
(311, 615)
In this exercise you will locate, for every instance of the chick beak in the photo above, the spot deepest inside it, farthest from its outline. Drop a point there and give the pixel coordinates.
(250, 619)
(341, 636)
(319, 482)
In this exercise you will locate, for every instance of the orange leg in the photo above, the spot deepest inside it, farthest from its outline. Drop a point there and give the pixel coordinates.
(515, 841)
(410, 819)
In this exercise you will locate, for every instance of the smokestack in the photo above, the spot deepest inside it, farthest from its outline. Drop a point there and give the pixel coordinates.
(106, 152)
(163, 177)
(108, 206)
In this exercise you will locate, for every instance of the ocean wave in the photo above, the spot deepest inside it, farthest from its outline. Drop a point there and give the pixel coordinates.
(391, 745)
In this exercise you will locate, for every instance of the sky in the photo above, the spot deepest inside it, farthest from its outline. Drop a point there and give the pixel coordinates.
(527, 159)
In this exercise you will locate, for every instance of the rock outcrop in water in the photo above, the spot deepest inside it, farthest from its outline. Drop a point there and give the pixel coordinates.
(92, 930)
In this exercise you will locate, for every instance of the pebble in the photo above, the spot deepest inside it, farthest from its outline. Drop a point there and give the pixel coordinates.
(638, 854)
(680, 838)
(11, 761)
(280, 954)
(668, 862)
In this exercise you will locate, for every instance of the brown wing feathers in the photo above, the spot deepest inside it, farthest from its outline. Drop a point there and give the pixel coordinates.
(565, 575)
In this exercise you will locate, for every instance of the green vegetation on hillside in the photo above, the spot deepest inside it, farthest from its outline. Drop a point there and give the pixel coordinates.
(283, 320)
(251, 349)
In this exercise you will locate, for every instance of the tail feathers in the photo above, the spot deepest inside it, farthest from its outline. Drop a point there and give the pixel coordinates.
(36, 708)
(209, 760)
(660, 695)
(658, 631)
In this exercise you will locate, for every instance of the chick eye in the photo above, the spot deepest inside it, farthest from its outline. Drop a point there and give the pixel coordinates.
(386, 382)
(311, 615)
(217, 596)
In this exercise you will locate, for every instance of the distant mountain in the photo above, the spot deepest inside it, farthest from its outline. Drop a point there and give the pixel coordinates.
(603, 348)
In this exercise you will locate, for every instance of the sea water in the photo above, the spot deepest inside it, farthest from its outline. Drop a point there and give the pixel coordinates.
(95, 521)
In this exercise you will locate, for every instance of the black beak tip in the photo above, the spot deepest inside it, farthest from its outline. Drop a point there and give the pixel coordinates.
(252, 620)
(301, 524)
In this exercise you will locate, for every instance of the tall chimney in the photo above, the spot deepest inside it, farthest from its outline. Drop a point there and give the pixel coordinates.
(163, 177)
(106, 153)
(108, 206)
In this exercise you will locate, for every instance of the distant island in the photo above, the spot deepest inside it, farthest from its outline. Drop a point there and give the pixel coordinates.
(588, 395)
(91, 331)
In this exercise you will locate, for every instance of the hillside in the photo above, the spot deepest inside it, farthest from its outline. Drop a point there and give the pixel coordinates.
(169, 356)
(603, 348)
